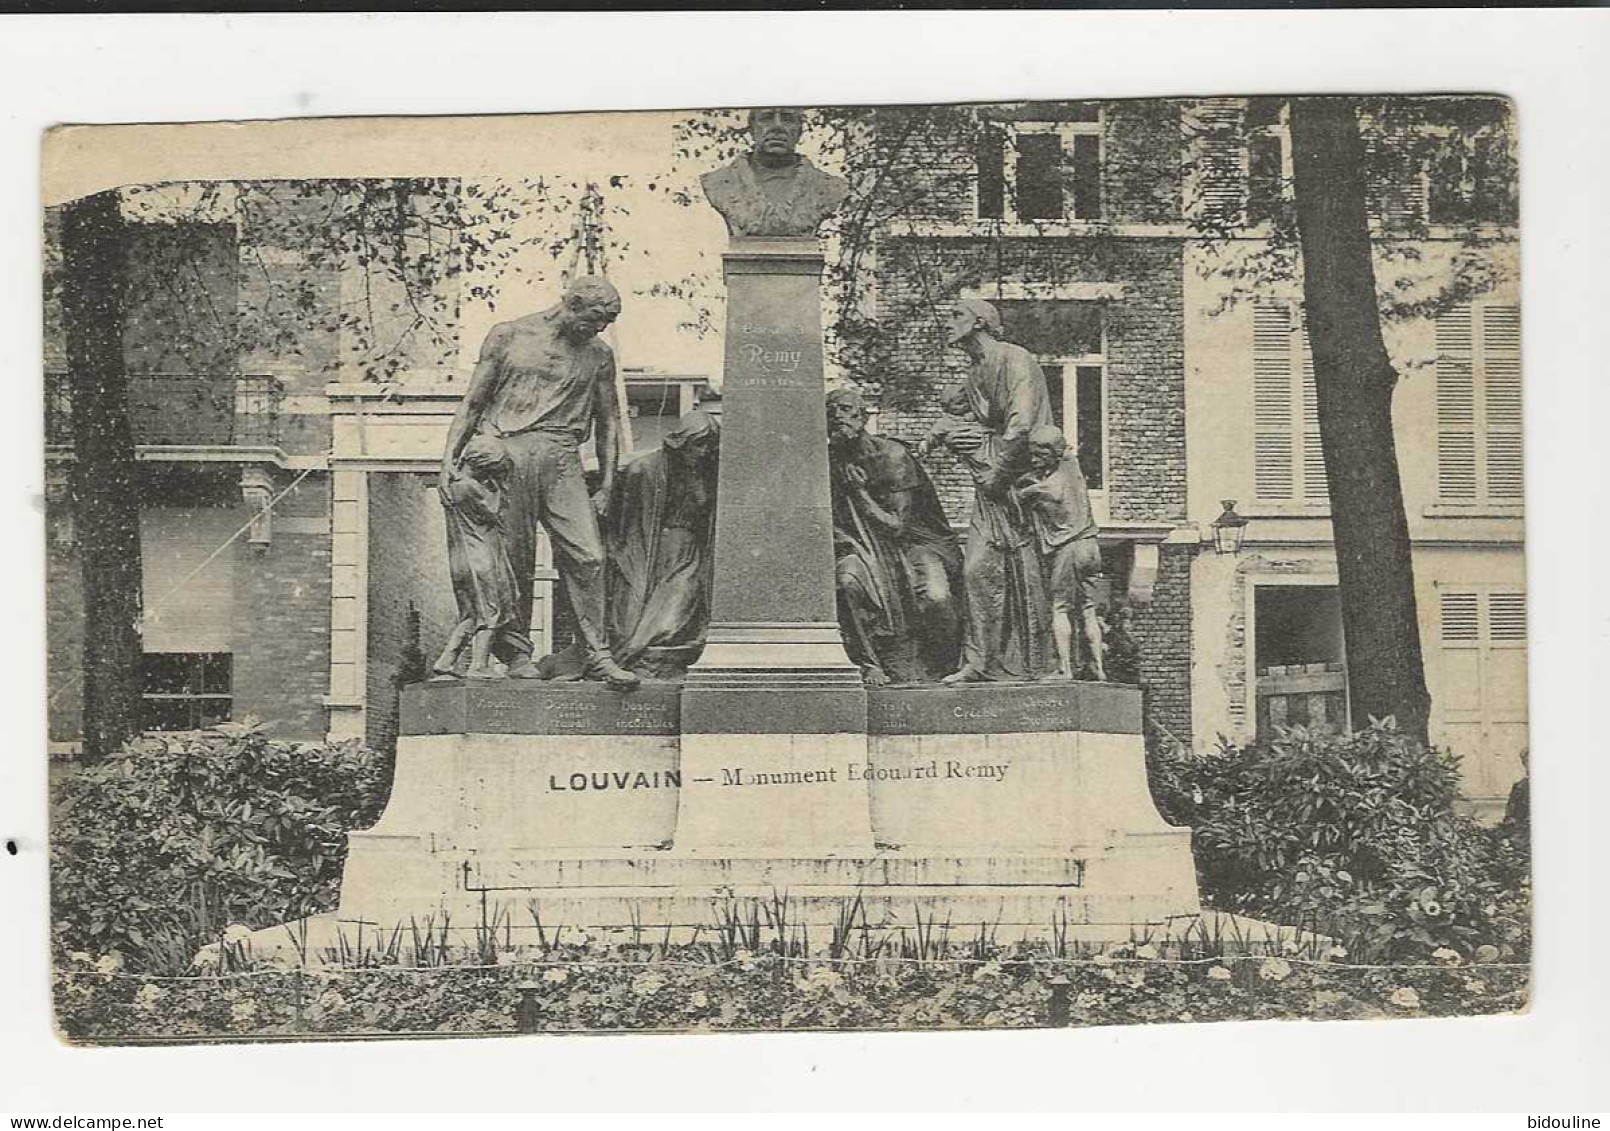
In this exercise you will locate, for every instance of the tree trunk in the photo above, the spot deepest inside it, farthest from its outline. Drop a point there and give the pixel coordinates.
(105, 493)
(1355, 381)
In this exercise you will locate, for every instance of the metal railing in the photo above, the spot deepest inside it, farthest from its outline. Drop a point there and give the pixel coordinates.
(221, 410)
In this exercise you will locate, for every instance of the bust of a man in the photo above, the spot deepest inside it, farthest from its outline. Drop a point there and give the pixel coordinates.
(772, 190)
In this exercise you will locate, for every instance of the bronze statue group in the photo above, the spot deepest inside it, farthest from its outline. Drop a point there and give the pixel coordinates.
(1015, 600)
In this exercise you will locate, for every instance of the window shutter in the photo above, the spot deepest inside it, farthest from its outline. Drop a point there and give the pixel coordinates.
(1220, 170)
(1274, 474)
(1460, 619)
(1506, 618)
(1456, 408)
(1395, 176)
(1501, 385)
(1315, 487)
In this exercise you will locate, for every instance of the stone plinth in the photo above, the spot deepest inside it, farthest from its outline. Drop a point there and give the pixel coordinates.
(1021, 805)
(774, 695)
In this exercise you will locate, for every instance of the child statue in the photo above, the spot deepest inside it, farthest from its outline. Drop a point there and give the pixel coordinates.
(1054, 494)
(483, 579)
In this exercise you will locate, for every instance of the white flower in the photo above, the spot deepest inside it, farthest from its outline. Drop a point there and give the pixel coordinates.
(1146, 951)
(330, 1001)
(1137, 980)
(1448, 955)
(236, 933)
(1290, 948)
(647, 984)
(1102, 960)
(206, 958)
(581, 938)
(1219, 973)
(1405, 997)
(556, 977)
(1336, 952)
(243, 1013)
(744, 959)
(825, 979)
(1187, 1017)
(700, 1000)
(81, 957)
(1475, 986)
(109, 963)
(1274, 970)
(150, 996)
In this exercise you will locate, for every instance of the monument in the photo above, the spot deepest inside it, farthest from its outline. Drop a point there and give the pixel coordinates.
(782, 761)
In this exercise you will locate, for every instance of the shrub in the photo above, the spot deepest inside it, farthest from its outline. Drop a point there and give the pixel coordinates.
(157, 849)
(1356, 835)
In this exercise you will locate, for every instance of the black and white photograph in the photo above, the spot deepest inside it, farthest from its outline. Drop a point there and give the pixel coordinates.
(845, 567)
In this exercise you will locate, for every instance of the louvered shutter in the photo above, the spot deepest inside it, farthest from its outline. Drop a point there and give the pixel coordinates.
(1315, 488)
(1219, 169)
(1395, 176)
(1274, 472)
(1501, 387)
(1456, 408)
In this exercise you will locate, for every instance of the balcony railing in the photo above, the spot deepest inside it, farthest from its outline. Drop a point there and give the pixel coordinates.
(183, 409)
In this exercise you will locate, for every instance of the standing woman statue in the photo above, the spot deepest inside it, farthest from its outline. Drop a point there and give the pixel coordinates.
(542, 384)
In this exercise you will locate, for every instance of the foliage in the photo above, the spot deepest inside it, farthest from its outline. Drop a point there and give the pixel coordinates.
(598, 986)
(159, 847)
(1358, 836)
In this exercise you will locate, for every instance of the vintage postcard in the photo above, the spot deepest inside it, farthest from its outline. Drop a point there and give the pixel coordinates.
(923, 566)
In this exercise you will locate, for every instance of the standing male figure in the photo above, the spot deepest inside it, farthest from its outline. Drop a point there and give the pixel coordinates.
(543, 382)
(1008, 622)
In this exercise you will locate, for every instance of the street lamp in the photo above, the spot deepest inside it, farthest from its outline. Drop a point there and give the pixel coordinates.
(1228, 529)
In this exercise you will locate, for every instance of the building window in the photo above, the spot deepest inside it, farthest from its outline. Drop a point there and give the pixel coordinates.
(1068, 339)
(1479, 406)
(185, 690)
(1268, 159)
(1033, 171)
(1288, 461)
(1469, 174)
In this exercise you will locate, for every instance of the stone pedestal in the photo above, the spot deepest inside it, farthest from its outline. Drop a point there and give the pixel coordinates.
(774, 698)
(1024, 806)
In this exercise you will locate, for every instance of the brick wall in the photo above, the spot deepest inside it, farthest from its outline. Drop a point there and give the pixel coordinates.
(1162, 628)
(282, 616)
(411, 607)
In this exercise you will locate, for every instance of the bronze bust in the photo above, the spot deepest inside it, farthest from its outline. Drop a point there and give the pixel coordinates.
(772, 190)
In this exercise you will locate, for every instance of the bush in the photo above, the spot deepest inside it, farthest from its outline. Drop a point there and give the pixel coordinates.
(159, 848)
(1358, 836)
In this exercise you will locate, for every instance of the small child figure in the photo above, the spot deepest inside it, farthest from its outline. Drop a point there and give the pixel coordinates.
(957, 422)
(1054, 494)
(483, 580)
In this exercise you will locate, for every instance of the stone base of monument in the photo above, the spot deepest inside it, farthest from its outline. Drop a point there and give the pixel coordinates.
(1021, 807)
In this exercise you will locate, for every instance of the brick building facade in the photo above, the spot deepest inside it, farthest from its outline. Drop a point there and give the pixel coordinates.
(1144, 253)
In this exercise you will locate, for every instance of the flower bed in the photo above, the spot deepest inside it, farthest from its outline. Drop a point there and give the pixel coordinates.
(647, 989)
